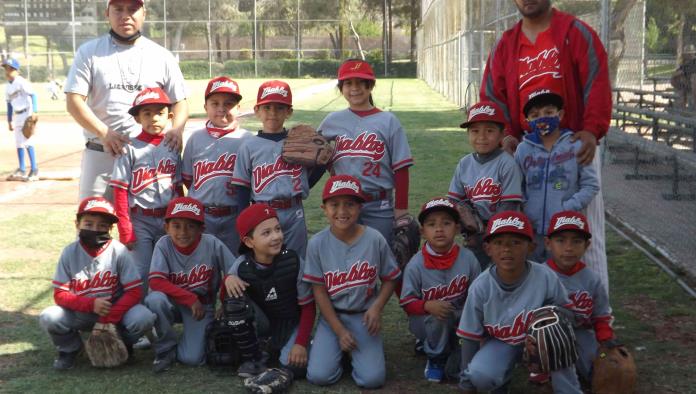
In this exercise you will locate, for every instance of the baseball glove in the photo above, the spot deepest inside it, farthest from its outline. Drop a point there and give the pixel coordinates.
(550, 343)
(613, 371)
(306, 147)
(273, 380)
(471, 221)
(406, 239)
(105, 348)
(29, 126)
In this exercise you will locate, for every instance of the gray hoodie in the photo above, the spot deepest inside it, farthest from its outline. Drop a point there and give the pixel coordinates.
(553, 180)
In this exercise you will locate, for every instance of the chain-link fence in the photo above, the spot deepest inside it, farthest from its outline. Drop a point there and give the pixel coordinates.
(244, 38)
(456, 36)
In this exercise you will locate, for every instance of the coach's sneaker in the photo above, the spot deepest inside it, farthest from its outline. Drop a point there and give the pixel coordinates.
(434, 372)
(65, 360)
(164, 361)
(17, 175)
(33, 176)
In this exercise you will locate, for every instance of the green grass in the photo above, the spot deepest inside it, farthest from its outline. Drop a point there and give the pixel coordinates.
(642, 296)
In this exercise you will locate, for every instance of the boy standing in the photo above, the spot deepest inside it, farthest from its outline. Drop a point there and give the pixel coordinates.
(489, 179)
(209, 159)
(95, 281)
(21, 105)
(262, 176)
(145, 179)
(568, 239)
(184, 280)
(554, 181)
(499, 306)
(435, 285)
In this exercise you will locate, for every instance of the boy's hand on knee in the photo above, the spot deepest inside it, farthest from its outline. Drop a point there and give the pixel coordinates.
(373, 320)
(102, 306)
(197, 310)
(346, 340)
(298, 356)
(442, 310)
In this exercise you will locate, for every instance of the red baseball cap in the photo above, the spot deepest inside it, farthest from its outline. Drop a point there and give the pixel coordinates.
(185, 208)
(149, 96)
(97, 205)
(509, 222)
(342, 185)
(438, 204)
(274, 92)
(569, 221)
(223, 85)
(355, 69)
(484, 111)
(251, 217)
(542, 96)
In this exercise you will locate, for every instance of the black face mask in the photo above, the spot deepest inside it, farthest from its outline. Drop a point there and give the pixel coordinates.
(124, 39)
(94, 239)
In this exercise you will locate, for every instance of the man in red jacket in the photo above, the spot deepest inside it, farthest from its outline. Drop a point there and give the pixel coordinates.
(554, 50)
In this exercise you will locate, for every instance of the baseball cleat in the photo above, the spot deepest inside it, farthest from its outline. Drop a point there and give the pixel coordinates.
(418, 348)
(65, 360)
(143, 343)
(33, 176)
(17, 175)
(434, 372)
(164, 362)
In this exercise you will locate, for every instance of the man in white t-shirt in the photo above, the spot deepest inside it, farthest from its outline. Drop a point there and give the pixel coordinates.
(106, 75)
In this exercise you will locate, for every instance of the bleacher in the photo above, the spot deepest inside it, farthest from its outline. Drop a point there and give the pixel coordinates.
(658, 139)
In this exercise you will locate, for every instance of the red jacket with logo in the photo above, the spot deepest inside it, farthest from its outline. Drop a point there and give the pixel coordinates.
(587, 100)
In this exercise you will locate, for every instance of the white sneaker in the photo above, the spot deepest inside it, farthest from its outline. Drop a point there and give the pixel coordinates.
(17, 175)
(142, 344)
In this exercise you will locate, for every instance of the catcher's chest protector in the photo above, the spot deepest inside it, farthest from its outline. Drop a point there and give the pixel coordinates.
(274, 289)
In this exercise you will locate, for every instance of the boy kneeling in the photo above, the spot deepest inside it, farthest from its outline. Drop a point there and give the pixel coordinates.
(95, 282)
(270, 276)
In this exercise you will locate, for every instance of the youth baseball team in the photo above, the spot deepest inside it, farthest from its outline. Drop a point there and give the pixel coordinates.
(225, 219)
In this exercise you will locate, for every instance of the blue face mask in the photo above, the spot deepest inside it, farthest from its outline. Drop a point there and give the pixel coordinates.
(544, 125)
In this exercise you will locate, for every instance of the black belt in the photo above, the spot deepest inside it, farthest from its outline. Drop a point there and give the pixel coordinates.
(21, 112)
(348, 312)
(94, 146)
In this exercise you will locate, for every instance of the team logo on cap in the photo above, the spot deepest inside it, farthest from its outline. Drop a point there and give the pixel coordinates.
(151, 95)
(269, 90)
(486, 110)
(571, 221)
(224, 84)
(538, 93)
(338, 185)
(94, 204)
(511, 221)
(440, 202)
(186, 207)
(356, 66)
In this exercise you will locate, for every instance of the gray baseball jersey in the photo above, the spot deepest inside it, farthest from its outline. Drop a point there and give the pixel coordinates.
(208, 163)
(491, 311)
(109, 274)
(260, 168)
(350, 272)
(304, 289)
(370, 148)
(589, 297)
(148, 172)
(487, 184)
(110, 75)
(421, 283)
(199, 272)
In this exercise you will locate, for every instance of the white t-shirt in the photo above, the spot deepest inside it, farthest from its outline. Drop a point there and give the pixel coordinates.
(111, 74)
